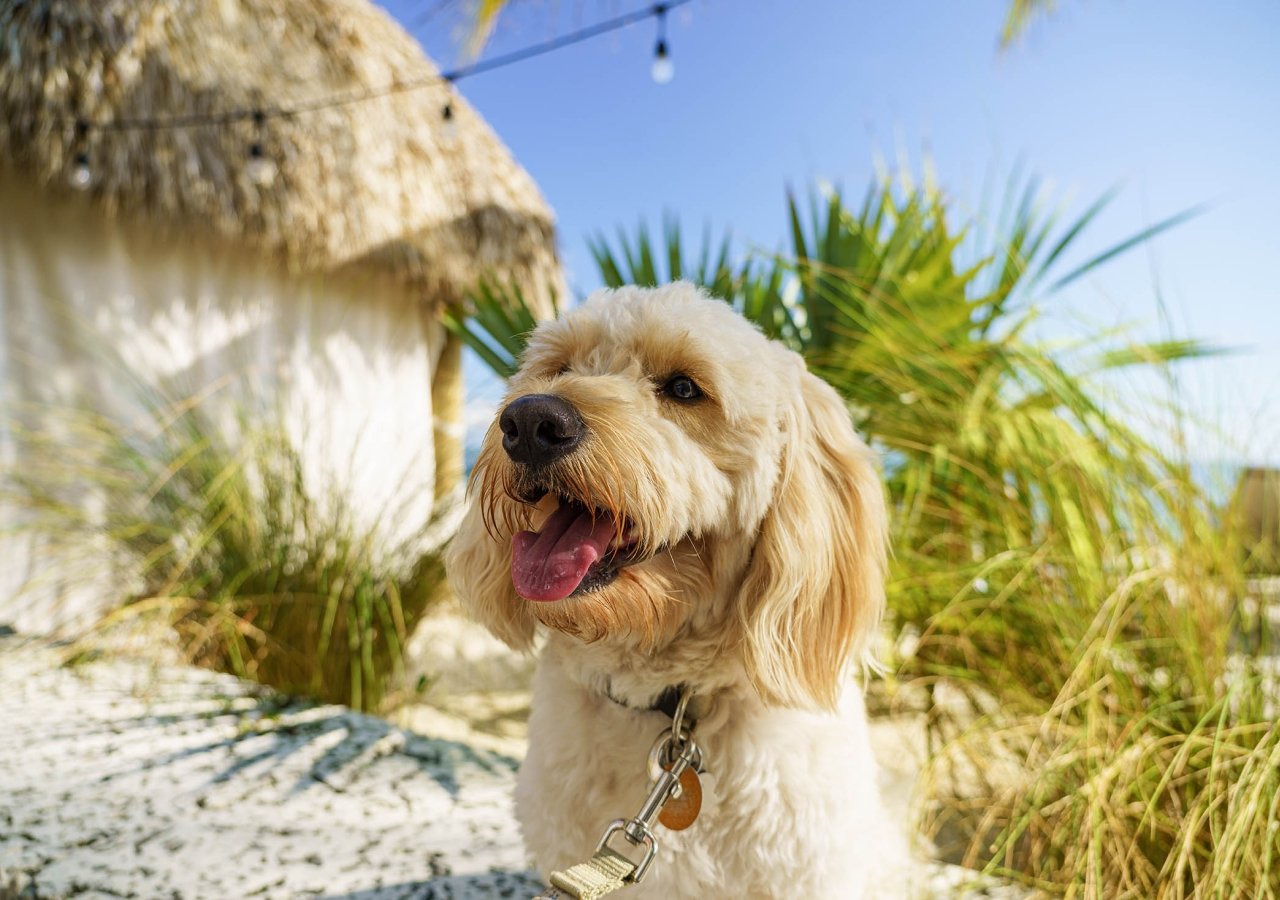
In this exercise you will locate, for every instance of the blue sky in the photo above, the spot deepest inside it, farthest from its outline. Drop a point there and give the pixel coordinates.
(1176, 101)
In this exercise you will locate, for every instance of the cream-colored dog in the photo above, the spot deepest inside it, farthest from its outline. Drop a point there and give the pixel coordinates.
(683, 506)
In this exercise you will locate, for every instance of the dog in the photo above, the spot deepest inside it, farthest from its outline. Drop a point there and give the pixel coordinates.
(679, 505)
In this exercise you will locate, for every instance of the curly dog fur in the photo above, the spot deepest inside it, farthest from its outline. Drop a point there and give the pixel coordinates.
(736, 528)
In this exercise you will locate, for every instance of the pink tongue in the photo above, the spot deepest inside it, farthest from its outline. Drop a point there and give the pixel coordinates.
(551, 563)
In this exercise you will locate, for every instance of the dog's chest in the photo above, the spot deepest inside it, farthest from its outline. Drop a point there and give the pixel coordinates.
(782, 798)
(567, 797)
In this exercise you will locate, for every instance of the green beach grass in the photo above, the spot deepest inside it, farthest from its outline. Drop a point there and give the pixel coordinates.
(1067, 604)
(217, 531)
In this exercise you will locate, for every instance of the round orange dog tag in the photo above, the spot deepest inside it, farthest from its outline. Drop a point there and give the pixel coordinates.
(679, 812)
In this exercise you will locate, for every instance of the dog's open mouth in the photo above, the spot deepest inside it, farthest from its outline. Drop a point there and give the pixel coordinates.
(577, 549)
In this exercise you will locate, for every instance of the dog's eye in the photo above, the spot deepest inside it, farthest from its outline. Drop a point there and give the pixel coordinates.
(681, 387)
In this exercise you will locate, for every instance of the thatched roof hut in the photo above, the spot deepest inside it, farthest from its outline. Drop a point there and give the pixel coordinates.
(270, 192)
(381, 181)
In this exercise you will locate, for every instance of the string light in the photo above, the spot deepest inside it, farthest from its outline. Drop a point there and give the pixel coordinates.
(262, 170)
(449, 126)
(663, 68)
(81, 175)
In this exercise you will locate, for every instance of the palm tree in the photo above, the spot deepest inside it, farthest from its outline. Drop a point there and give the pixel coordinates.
(992, 440)
(1052, 566)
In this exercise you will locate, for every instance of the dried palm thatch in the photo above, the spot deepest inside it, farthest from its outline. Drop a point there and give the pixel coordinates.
(381, 184)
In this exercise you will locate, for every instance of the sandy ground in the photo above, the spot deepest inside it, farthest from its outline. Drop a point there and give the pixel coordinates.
(119, 779)
(128, 779)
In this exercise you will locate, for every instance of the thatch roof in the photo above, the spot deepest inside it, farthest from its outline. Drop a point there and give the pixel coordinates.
(380, 183)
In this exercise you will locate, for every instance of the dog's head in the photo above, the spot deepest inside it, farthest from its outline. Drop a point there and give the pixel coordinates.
(659, 469)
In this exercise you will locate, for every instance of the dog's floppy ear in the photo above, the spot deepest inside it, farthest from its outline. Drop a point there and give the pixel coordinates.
(814, 589)
(478, 564)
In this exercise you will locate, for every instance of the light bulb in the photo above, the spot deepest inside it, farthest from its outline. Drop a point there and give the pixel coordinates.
(260, 169)
(663, 69)
(81, 175)
(449, 124)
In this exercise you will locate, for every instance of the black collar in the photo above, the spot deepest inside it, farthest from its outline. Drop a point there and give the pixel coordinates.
(665, 703)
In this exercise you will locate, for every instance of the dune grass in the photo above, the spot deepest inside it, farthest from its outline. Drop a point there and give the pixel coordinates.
(1067, 605)
(215, 529)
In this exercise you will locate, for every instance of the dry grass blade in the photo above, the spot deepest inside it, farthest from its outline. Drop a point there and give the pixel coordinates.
(224, 537)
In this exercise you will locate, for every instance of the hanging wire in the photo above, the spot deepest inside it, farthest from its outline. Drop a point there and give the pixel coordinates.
(260, 115)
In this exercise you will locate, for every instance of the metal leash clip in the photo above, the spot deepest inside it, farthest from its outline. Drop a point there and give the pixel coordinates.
(638, 830)
(673, 752)
(674, 762)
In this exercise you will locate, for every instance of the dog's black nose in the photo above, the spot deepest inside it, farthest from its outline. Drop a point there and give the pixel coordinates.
(539, 429)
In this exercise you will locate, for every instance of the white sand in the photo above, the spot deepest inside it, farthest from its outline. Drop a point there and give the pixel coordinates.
(122, 778)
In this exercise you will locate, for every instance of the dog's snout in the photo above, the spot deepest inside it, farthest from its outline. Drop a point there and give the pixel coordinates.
(540, 428)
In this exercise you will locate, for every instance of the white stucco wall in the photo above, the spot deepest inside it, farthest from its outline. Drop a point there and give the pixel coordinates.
(346, 361)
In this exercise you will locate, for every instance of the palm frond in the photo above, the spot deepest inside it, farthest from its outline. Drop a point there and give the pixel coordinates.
(495, 324)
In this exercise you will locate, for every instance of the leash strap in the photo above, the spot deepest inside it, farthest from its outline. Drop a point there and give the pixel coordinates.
(605, 872)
